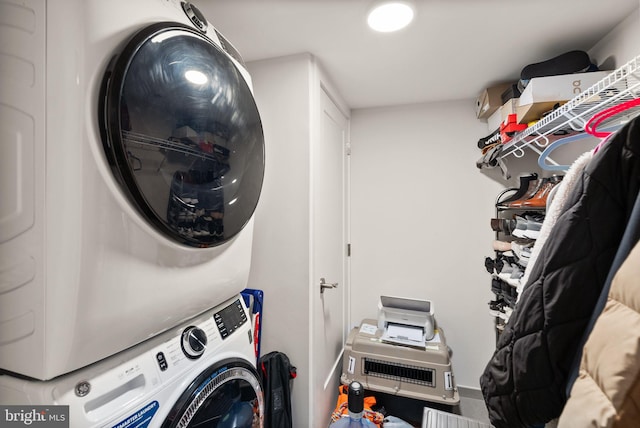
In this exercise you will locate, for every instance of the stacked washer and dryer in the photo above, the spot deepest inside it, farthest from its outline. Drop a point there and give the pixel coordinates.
(131, 163)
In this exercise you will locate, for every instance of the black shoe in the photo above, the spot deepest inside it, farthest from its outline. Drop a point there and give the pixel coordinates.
(489, 264)
(567, 63)
(496, 285)
(489, 139)
(525, 180)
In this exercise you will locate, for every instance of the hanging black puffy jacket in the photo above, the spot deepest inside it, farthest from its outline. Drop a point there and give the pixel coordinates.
(524, 382)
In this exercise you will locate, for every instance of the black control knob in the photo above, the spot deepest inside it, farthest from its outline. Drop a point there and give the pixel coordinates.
(195, 16)
(194, 342)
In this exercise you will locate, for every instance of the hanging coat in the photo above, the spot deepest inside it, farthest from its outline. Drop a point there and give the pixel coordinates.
(607, 391)
(524, 382)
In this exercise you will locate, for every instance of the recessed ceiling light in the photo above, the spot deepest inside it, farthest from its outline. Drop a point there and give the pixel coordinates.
(195, 76)
(390, 16)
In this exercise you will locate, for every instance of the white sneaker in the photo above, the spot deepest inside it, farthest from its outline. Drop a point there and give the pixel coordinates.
(512, 278)
(521, 227)
(522, 251)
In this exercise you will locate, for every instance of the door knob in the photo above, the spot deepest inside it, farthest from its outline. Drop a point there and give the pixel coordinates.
(324, 285)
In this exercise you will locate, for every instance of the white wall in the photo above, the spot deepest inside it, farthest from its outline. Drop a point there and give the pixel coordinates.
(421, 210)
(420, 228)
(620, 45)
(281, 229)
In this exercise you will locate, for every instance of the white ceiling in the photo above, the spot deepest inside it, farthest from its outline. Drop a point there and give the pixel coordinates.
(452, 50)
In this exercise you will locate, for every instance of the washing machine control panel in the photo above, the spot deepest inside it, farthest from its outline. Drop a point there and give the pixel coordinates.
(195, 16)
(200, 338)
(230, 318)
(194, 342)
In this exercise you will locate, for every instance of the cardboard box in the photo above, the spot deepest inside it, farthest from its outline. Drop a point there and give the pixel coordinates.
(559, 88)
(534, 111)
(185, 132)
(543, 93)
(510, 107)
(490, 100)
(501, 114)
(493, 122)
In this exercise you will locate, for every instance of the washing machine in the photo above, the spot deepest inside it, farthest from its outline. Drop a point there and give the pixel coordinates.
(201, 373)
(131, 164)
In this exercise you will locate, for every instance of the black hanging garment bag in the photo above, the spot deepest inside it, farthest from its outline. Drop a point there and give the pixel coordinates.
(276, 374)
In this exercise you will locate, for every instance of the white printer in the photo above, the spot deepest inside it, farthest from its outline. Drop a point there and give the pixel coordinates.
(406, 321)
(401, 353)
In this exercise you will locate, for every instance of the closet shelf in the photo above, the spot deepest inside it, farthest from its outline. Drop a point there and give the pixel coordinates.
(621, 85)
(175, 145)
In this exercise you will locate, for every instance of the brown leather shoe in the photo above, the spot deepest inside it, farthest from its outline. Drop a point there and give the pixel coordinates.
(539, 200)
(534, 186)
(503, 225)
(523, 186)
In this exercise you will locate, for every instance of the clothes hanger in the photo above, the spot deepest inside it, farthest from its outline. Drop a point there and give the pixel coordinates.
(565, 140)
(590, 129)
(592, 124)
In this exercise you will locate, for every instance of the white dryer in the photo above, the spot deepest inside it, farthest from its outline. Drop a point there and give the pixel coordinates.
(131, 163)
(201, 373)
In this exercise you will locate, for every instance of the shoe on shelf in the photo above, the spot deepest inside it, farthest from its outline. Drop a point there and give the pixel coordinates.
(496, 285)
(501, 246)
(524, 181)
(528, 227)
(533, 230)
(539, 200)
(534, 224)
(522, 251)
(507, 254)
(489, 264)
(506, 313)
(496, 307)
(575, 61)
(504, 225)
(501, 262)
(506, 268)
(532, 189)
(521, 227)
(513, 277)
(511, 297)
(489, 139)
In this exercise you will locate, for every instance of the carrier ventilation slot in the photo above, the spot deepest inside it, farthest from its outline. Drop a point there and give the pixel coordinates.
(402, 372)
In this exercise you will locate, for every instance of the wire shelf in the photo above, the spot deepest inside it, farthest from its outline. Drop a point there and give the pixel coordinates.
(153, 143)
(621, 85)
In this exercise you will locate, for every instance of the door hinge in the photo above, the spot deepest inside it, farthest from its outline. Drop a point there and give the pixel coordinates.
(348, 149)
(348, 250)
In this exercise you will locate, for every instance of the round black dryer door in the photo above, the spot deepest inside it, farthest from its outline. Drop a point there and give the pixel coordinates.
(227, 395)
(182, 133)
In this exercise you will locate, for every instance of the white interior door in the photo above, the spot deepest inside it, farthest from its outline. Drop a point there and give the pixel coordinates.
(329, 320)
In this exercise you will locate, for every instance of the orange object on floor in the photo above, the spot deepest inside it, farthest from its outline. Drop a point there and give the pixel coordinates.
(342, 410)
